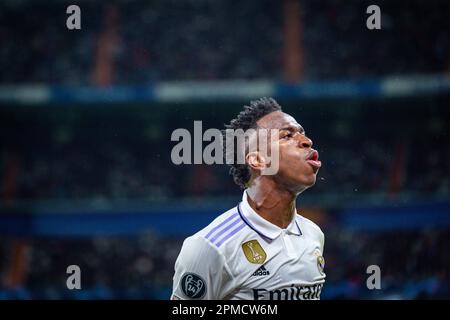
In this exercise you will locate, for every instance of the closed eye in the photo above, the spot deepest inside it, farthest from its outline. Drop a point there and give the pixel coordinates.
(290, 131)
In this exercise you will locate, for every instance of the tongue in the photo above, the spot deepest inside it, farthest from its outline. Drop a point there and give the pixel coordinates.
(315, 163)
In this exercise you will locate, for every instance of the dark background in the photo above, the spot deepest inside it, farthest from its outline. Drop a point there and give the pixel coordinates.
(85, 171)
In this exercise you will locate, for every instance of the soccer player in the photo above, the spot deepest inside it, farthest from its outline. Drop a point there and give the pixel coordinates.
(262, 249)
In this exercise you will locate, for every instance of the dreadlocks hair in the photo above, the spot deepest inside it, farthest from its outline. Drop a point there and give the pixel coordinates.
(245, 120)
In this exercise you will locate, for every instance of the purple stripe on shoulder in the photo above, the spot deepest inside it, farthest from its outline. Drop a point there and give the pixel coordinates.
(228, 236)
(228, 227)
(221, 224)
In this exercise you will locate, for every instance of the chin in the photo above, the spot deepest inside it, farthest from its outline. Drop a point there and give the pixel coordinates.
(305, 183)
(309, 181)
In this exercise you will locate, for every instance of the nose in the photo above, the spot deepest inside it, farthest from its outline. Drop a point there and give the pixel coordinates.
(305, 142)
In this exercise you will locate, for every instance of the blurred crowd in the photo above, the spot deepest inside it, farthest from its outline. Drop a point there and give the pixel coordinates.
(53, 158)
(118, 172)
(220, 39)
(142, 266)
(111, 267)
(379, 147)
(413, 264)
(413, 38)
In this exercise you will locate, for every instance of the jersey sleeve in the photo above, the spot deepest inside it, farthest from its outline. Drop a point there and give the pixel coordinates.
(322, 240)
(200, 272)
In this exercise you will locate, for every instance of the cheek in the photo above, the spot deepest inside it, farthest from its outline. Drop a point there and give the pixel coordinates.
(290, 162)
(289, 156)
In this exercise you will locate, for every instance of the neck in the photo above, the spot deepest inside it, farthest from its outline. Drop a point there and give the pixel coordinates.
(273, 203)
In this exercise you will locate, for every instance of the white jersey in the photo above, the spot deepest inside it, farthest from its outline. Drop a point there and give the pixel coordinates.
(240, 255)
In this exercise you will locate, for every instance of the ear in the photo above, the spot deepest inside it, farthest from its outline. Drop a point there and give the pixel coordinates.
(255, 160)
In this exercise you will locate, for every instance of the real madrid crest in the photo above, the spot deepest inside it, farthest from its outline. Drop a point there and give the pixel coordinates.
(320, 264)
(320, 261)
(254, 252)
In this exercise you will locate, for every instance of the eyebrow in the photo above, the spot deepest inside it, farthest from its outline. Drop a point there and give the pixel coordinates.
(294, 128)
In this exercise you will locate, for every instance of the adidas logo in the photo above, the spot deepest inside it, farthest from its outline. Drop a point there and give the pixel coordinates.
(261, 272)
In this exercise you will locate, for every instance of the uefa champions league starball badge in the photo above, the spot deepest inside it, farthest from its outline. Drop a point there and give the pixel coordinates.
(193, 286)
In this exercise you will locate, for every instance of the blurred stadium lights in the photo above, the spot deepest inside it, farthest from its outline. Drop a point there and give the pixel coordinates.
(238, 90)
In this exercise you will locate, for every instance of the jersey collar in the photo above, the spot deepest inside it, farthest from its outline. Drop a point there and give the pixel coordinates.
(263, 227)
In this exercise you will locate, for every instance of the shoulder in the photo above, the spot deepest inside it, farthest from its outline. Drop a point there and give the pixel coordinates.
(200, 253)
(222, 228)
(208, 237)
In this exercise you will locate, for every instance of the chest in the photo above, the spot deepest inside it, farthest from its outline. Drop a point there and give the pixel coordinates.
(287, 265)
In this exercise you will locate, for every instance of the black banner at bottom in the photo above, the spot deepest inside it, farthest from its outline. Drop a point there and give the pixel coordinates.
(152, 309)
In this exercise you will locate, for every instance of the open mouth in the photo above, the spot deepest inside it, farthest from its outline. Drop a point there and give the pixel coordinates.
(313, 159)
